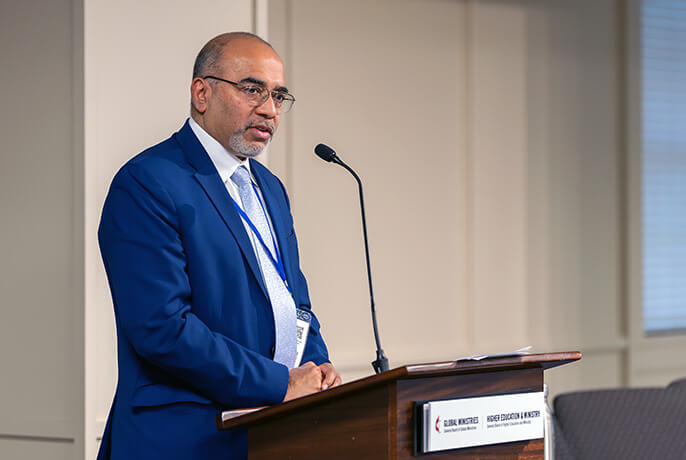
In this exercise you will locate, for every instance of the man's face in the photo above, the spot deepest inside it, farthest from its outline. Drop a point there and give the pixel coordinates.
(226, 112)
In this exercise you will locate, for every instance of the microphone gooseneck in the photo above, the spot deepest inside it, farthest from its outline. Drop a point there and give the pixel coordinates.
(326, 153)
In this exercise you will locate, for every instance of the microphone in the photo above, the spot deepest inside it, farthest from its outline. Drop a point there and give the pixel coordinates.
(326, 153)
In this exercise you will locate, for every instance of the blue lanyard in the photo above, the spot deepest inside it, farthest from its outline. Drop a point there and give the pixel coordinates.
(275, 258)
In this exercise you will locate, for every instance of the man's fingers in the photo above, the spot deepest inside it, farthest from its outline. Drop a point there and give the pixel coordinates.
(336, 381)
(330, 376)
(303, 380)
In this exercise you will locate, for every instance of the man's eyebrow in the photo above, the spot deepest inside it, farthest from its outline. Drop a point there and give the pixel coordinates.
(256, 81)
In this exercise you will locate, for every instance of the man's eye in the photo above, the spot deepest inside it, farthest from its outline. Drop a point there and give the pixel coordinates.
(279, 97)
(252, 89)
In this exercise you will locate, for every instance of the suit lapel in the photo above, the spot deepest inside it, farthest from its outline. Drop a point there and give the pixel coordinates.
(275, 213)
(209, 180)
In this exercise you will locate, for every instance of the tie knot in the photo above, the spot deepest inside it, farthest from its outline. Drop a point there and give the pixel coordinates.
(241, 177)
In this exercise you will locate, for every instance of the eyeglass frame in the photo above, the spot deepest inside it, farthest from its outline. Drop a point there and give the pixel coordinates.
(267, 92)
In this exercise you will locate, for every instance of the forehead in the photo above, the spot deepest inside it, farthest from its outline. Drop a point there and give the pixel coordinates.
(251, 58)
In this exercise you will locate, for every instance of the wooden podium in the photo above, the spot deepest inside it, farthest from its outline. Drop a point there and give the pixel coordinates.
(372, 418)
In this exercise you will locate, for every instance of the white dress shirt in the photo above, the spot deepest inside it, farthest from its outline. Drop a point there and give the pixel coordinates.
(226, 163)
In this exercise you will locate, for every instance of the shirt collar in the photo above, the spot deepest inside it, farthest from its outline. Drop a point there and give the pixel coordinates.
(224, 161)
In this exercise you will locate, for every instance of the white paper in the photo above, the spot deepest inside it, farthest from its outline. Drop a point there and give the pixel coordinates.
(520, 352)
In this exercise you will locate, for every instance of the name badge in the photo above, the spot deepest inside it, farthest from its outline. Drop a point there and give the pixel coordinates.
(304, 318)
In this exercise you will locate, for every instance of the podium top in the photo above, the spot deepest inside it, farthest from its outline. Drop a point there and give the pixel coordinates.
(244, 417)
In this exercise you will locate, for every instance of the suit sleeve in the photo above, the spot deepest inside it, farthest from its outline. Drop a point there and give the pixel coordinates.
(146, 266)
(315, 348)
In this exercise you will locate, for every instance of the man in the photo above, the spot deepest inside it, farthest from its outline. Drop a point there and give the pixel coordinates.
(202, 261)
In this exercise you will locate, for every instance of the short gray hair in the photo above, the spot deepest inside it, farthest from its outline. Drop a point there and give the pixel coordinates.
(209, 57)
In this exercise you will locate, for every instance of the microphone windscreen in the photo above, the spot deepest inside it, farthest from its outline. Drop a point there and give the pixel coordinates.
(325, 152)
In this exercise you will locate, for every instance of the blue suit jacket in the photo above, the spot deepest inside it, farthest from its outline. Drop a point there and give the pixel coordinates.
(195, 327)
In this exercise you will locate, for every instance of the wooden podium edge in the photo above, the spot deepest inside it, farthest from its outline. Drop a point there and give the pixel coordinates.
(538, 360)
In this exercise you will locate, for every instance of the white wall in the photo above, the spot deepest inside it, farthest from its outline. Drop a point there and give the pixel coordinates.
(85, 86)
(492, 136)
(488, 135)
(387, 94)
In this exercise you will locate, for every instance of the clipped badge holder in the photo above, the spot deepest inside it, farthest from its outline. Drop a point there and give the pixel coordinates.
(304, 318)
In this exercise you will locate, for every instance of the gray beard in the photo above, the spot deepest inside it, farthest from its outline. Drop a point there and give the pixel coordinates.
(241, 147)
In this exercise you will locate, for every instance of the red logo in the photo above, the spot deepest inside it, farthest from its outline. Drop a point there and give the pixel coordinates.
(438, 425)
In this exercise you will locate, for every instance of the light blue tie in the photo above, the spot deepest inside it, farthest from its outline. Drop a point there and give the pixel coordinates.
(281, 299)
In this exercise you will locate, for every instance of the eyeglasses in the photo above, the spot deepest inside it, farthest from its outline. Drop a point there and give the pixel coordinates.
(258, 94)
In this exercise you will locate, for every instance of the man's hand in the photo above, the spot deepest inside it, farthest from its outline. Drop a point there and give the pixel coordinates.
(303, 380)
(330, 378)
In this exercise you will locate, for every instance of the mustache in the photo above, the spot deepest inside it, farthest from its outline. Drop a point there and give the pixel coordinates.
(264, 125)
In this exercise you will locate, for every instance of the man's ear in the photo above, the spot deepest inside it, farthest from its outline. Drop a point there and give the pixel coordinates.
(200, 93)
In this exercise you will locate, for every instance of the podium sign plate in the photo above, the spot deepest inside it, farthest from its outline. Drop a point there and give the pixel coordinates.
(479, 421)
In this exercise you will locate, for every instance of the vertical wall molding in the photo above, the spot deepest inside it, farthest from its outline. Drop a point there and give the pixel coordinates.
(470, 314)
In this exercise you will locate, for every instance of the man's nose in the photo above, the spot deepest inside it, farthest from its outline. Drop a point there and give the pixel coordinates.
(267, 108)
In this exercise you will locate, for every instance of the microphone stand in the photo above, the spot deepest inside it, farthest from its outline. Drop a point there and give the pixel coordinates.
(381, 362)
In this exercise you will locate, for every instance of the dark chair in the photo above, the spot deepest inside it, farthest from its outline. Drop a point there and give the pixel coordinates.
(561, 446)
(626, 423)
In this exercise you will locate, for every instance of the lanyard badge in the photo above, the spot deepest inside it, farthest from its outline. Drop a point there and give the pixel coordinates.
(304, 319)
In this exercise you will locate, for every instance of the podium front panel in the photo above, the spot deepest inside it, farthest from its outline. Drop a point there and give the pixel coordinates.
(457, 386)
(345, 429)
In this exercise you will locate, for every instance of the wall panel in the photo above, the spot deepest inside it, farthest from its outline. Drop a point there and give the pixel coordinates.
(575, 238)
(24, 449)
(40, 341)
(387, 94)
(519, 240)
(498, 171)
